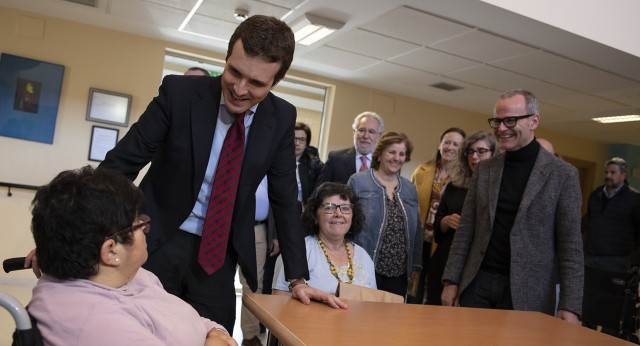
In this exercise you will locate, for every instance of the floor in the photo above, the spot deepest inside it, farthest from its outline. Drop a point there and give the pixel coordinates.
(20, 288)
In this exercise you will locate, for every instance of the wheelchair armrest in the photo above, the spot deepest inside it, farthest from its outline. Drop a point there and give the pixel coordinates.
(17, 311)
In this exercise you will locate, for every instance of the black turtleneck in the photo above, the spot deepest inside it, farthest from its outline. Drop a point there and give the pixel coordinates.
(515, 175)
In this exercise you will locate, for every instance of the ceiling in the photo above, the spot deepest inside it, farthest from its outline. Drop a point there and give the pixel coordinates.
(405, 46)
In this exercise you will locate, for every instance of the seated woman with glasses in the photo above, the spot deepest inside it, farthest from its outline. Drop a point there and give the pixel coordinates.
(392, 233)
(90, 243)
(331, 219)
(475, 148)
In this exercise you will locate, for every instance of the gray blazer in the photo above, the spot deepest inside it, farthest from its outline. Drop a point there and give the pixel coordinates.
(545, 237)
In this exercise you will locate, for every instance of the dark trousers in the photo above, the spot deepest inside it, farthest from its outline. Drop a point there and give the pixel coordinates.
(489, 291)
(269, 267)
(397, 284)
(177, 267)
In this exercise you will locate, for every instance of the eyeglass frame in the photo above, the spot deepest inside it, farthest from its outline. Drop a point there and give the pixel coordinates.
(466, 152)
(371, 132)
(146, 223)
(337, 206)
(508, 119)
(300, 139)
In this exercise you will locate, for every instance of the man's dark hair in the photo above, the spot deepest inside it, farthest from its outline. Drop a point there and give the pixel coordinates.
(75, 213)
(199, 69)
(326, 190)
(267, 38)
(304, 127)
(385, 141)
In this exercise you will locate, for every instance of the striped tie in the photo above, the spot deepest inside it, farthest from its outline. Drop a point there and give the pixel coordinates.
(215, 232)
(363, 167)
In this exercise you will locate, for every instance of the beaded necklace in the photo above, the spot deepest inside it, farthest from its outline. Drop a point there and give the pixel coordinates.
(332, 267)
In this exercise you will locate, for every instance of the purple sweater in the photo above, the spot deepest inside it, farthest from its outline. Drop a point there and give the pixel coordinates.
(82, 312)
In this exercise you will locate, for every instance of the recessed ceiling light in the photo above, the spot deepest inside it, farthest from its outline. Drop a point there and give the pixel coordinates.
(617, 119)
(310, 28)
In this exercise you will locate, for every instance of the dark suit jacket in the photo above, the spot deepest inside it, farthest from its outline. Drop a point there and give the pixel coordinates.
(340, 165)
(176, 132)
(545, 233)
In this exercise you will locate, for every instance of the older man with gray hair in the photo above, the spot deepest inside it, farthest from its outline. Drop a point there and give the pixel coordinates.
(341, 164)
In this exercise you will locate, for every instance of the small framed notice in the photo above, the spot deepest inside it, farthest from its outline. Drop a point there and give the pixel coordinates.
(103, 139)
(108, 107)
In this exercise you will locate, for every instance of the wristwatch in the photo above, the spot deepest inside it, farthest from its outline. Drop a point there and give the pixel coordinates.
(296, 282)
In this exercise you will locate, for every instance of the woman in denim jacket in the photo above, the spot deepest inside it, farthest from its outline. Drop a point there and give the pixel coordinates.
(392, 233)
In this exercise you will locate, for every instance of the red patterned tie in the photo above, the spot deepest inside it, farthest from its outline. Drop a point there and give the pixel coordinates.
(363, 167)
(217, 223)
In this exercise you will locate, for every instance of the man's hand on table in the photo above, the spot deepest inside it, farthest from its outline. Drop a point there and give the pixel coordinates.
(449, 295)
(305, 293)
(568, 316)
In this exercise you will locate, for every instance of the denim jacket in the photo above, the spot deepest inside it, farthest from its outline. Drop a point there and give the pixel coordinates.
(371, 195)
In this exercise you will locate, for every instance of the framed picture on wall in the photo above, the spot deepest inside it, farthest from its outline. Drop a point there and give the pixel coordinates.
(108, 107)
(103, 139)
(29, 98)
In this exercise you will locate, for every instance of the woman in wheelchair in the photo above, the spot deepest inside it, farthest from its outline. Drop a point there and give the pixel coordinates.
(331, 219)
(89, 231)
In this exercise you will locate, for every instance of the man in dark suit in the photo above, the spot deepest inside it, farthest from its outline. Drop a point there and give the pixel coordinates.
(612, 223)
(341, 164)
(182, 133)
(611, 229)
(520, 223)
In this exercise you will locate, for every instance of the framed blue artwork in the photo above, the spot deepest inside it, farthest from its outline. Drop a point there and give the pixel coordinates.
(29, 98)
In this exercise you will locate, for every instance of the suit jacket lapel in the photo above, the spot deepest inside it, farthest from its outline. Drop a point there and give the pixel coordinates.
(261, 130)
(351, 161)
(204, 115)
(495, 177)
(537, 178)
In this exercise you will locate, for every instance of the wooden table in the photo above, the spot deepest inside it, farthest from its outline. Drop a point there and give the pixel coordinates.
(367, 323)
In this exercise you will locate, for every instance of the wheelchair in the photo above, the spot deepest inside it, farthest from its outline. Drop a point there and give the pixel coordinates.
(26, 333)
(611, 301)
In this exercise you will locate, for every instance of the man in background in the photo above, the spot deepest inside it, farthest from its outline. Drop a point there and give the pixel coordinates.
(611, 228)
(308, 165)
(341, 164)
(520, 221)
(548, 146)
(197, 71)
(612, 223)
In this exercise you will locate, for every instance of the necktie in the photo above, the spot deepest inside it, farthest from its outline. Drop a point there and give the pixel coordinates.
(217, 223)
(363, 167)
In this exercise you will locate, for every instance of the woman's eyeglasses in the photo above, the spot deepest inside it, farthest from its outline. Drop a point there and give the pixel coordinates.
(330, 208)
(480, 151)
(144, 222)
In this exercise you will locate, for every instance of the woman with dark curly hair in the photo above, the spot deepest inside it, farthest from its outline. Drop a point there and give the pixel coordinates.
(90, 243)
(331, 219)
